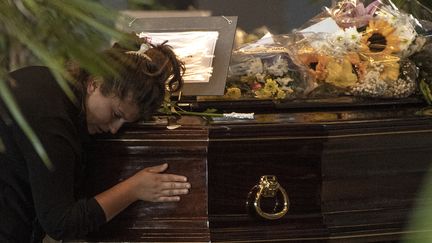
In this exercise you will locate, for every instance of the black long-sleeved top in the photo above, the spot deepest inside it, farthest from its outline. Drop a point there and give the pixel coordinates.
(32, 197)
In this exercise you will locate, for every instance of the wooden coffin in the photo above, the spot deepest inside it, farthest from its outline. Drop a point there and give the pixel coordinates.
(114, 158)
(351, 174)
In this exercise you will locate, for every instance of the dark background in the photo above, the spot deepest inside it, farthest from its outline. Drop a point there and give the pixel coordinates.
(280, 16)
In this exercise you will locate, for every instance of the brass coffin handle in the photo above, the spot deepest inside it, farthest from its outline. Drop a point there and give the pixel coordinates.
(268, 187)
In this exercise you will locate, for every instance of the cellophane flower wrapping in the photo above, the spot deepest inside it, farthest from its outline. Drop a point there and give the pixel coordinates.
(353, 48)
(263, 69)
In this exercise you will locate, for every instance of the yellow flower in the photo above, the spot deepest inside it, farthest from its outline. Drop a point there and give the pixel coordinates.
(340, 73)
(380, 37)
(271, 86)
(263, 94)
(233, 93)
(271, 90)
(391, 71)
(280, 94)
(389, 66)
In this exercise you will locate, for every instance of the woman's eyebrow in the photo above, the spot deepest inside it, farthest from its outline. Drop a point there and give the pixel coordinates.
(124, 116)
(121, 112)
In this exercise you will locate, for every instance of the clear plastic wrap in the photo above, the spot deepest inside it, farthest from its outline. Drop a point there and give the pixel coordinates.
(355, 48)
(367, 54)
(263, 69)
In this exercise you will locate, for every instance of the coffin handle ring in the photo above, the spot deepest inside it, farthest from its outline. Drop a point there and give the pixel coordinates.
(268, 187)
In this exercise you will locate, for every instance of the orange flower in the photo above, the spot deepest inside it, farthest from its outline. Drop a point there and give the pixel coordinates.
(360, 67)
(316, 63)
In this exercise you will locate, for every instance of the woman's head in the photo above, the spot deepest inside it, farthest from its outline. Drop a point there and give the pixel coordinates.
(135, 89)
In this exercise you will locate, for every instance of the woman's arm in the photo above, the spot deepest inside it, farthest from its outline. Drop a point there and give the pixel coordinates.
(147, 185)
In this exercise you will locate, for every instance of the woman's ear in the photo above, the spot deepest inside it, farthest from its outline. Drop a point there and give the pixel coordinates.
(92, 85)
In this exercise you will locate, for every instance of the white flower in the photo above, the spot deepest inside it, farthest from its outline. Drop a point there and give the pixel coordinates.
(278, 68)
(338, 43)
(351, 39)
(318, 41)
(388, 14)
(406, 31)
(255, 66)
(403, 24)
(283, 82)
(260, 77)
(373, 86)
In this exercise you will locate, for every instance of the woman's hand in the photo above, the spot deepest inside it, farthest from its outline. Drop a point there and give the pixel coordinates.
(154, 186)
(148, 184)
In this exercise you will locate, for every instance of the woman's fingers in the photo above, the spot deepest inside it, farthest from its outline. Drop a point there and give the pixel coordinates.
(170, 195)
(174, 188)
(174, 192)
(172, 177)
(170, 191)
(168, 199)
(165, 177)
(157, 169)
(174, 185)
(156, 186)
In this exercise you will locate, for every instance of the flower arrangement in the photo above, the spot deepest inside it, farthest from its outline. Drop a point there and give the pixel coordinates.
(262, 70)
(356, 47)
(368, 53)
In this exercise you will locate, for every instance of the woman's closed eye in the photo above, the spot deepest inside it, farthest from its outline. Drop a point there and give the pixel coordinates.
(117, 115)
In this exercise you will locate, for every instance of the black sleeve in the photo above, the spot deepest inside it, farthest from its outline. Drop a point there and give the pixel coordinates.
(60, 215)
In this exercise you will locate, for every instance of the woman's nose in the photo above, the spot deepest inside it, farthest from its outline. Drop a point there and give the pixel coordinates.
(115, 126)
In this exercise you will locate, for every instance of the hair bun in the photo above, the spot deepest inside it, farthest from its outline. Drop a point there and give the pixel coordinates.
(131, 42)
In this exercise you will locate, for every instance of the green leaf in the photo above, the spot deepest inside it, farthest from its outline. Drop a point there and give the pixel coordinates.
(421, 218)
(425, 89)
(54, 32)
(72, 10)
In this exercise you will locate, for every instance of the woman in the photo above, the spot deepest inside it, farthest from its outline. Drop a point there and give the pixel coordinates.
(34, 199)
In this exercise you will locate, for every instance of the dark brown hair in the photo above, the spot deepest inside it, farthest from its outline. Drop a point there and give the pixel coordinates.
(146, 76)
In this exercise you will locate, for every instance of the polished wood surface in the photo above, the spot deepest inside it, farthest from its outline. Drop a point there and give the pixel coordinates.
(137, 146)
(240, 153)
(352, 174)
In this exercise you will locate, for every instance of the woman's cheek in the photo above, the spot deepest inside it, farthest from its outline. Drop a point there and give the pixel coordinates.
(103, 116)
